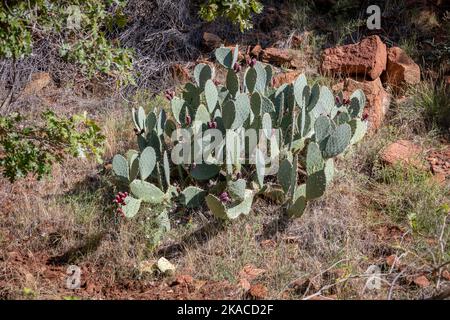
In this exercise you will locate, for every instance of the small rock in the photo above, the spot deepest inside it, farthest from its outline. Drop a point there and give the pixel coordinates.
(422, 281)
(367, 57)
(401, 70)
(258, 291)
(403, 152)
(38, 82)
(285, 77)
(244, 284)
(165, 266)
(393, 261)
(256, 51)
(250, 272)
(211, 40)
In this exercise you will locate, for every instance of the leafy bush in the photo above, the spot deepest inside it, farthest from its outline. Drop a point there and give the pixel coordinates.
(26, 148)
(304, 128)
(77, 29)
(237, 11)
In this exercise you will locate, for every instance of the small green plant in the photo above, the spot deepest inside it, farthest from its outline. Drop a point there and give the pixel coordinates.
(434, 98)
(237, 11)
(409, 195)
(32, 148)
(305, 127)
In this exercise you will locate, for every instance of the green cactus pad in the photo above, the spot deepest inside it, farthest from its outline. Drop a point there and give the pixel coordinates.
(202, 73)
(229, 114)
(146, 192)
(261, 77)
(269, 75)
(329, 170)
(166, 168)
(191, 94)
(131, 207)
(237, 189)
(316, 185)
(250, 79)
(133, 162)
(242, 105)
(325, 103)
(260, 167)
(267, 125)
(243, 207)
(305, 123)
(140, 118)
(216, 206)
(267, 105)
(322, 128)
(342, 117)
(177, 105)
(313, 97)
(205, 171)
(232, 82)
(147, 162)
(120, 167)
(193, 197)
(211, 95)
(359, 129)
(256, 103)
(314, 160)
(160, 122)
(301, 91)
(202, 115)
(285, 174)
(297, 209)
(357, 103)
(150, 121)
(170, 127)
(338, 140)
(225, 57)
(142, 142)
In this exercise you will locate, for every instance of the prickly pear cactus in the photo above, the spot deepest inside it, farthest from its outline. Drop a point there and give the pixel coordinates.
(305, 125)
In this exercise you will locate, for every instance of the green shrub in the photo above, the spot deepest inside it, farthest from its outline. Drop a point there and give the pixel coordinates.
(27, 148)
(237, 11)
(77, 29)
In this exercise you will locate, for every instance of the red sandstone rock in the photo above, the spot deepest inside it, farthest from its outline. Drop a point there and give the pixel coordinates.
(367, 57)
(403, 152)
(378, 99)
(401, 70)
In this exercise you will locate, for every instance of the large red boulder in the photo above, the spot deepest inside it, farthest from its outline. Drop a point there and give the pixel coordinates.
(401, 70)
(367, 58)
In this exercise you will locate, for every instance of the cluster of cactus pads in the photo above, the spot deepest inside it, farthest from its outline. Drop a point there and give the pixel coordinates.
(313, 128)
